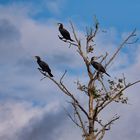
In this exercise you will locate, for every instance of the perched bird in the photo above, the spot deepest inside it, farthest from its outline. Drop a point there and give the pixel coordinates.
(98, 66)
(64, 32)
(44, 66)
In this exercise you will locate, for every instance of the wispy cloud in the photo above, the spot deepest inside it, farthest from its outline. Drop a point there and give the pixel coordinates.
(55, 6)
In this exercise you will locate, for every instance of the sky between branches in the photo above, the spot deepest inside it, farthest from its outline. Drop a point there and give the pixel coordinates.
(29, 106)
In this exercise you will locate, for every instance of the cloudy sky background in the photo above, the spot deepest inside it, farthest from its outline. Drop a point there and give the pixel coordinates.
(31, 109)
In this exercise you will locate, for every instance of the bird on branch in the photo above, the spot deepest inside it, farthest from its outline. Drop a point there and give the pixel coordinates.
(44, 66)
(64, 32)
(98, 66)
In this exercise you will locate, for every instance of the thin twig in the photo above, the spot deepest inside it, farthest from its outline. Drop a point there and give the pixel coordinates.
(116, 95)
(124, 79)
(120, 47)
(103, 85)
(66, 91)
(104, 58)
(75, 122)
(105, 127)
(80, 119)
(135, 41)
(42, 78)
(81, 52)
(63, 76)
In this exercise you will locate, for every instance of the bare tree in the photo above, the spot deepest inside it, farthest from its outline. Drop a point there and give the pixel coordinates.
(98, 98)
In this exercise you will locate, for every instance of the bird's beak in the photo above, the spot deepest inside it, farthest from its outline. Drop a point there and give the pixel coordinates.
(58, 23)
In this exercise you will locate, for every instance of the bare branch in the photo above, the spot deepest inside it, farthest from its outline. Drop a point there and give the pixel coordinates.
(105, 127)
(81, 53)
(75, 36)
(75, 122)
(67, 41)
(90, 36)
(66, 91)
(121, 46)
(103, 85)
(82, 87)
(98, 99)
(63, 76)
(132, 42)
(42, 78)
(124, 79)
(116, 95)
(108, 125)
(104, 58)
(99, 122)
(102, 135)
(72, 96)
(80, 119)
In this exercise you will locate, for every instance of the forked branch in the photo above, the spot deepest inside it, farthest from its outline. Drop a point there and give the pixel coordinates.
(133, 34)
(116, 95)
(105, 127)
(65, 90)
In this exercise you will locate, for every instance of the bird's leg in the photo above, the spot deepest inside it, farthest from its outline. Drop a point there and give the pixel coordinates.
(98, 73)
(43, 78)
(44, 73)
(101, 76)
(40, 69)
(62, 38)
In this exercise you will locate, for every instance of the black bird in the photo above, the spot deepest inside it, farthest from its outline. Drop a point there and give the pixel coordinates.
(44, 66)
(98, 66)
(64, 32)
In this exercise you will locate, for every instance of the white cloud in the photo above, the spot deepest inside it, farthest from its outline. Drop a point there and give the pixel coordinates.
(55, 6)
(21, 80)
(15, 115)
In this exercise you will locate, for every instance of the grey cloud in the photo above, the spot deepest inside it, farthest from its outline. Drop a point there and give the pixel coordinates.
(8, 32)
(48, 127)
(14, 115)
(16, 65)
(127, 128)
(62, 58)
(21, 80)
(10, 48)
(22, 120)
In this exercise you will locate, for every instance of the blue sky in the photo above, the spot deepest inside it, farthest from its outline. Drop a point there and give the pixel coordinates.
(28, 28)
(123, 15)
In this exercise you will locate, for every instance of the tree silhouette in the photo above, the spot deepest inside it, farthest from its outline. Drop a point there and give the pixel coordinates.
(88, 120)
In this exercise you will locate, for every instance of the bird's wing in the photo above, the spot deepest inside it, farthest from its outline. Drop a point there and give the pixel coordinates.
(44, 65)
(64, 31)
(99, 67)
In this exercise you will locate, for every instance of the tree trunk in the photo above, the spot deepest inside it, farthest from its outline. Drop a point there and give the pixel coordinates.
(91, 111)
(90, 137)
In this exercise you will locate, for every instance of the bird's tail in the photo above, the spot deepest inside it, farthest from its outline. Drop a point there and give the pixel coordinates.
(50, 74)
(107, 74)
